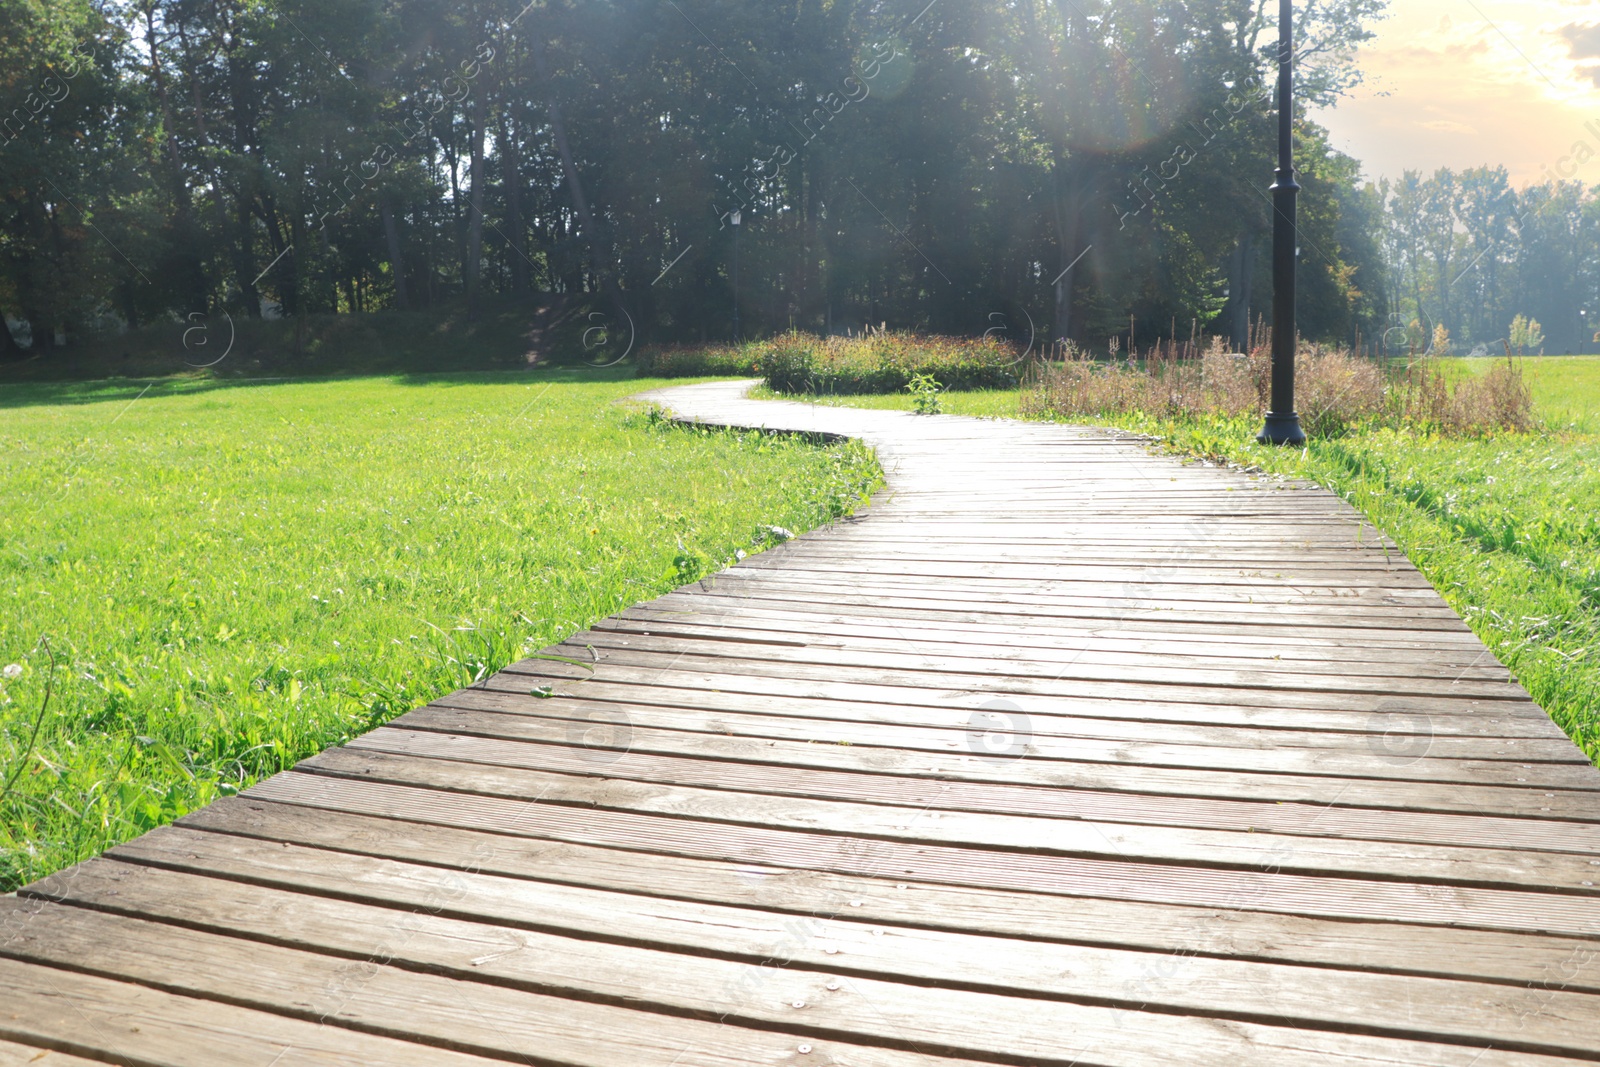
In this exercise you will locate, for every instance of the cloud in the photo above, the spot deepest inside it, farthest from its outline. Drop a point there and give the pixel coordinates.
(1584, 43)
(1460, 95)
(1583, 40)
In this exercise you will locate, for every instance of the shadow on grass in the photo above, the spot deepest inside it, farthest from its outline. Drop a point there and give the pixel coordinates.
(508, 336)
(127, 390)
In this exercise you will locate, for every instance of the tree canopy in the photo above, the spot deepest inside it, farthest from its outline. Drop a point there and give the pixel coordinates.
(1065, 168)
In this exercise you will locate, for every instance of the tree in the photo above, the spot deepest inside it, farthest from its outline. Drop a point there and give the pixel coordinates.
(59, 155)
(1069, 162)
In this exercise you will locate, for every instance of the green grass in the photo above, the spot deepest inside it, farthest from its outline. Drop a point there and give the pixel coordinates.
(1507, 528)
(1566, 390)
(234, 577)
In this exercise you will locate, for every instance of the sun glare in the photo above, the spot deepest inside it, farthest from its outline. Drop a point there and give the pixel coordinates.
(1464, 83)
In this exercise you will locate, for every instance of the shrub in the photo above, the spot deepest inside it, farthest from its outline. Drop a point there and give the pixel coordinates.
(879, 362)
(697, 361)
(1335, 391)
(884, 362)
(1219, 383)
(1499, 400)
(789, 362)
(1526, 333)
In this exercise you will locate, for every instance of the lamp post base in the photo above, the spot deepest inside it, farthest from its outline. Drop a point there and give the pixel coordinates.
(1282, 430)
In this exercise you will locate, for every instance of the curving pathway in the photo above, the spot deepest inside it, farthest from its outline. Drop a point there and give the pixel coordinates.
(1062, 753)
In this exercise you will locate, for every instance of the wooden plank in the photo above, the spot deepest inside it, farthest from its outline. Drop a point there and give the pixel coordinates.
(1519, 800)
(1111, 563)
(1236, 930)
(901, 654)
(1051, 546)
(957, 729)
(1570, 775)
(834, 630)
(1461, 735)
(1164, 581)
(709, 602)
(13, 1055)
(365, 988)
(914, 687)
(1369, 623)
(1273, 604)
(898, 685)
(497, 768)
(1219, 543)
(885, 687)
(699, 959)
(1182, 581)
(1381, 733)
(595, 746)
(1054, 714)
(110, 1021)
(1093, 547)
(947, 1020)
(1269, 887)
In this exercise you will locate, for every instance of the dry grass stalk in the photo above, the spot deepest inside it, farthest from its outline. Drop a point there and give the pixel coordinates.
(1335, 390)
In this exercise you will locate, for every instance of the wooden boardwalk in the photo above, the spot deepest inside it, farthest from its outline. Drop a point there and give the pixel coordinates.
(1061, 754)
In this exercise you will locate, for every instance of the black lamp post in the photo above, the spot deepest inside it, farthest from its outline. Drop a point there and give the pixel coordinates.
(734, 218)
(1283, 424)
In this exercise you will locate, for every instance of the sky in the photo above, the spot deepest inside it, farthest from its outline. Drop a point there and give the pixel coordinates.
(1464, 83)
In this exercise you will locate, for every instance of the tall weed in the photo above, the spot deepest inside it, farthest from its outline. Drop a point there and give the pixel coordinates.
(1336, 392)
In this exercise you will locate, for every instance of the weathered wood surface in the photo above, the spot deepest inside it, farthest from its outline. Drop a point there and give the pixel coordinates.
(1062, 753)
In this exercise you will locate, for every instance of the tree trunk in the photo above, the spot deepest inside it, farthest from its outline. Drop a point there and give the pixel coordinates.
(598, 259)
(57, 327)
(243, 95)
(813, 302)
(451, 160)
(284, 262)
(397, 266)
(244, 268)
(130, 303)
(430, 248)
(473, 272)
(39, 332)
(1241, 282)
(511, 162)
(191, 281)
(10, 351)
(326, 280)
(219, 209)
(1068, 225)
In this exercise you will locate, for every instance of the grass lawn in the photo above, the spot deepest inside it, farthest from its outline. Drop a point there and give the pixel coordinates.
(1566, 390)
(234, 576)
(1507, 528)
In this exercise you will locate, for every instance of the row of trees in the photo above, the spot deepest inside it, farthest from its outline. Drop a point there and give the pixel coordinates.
(1087, 166)
(1468, 252)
